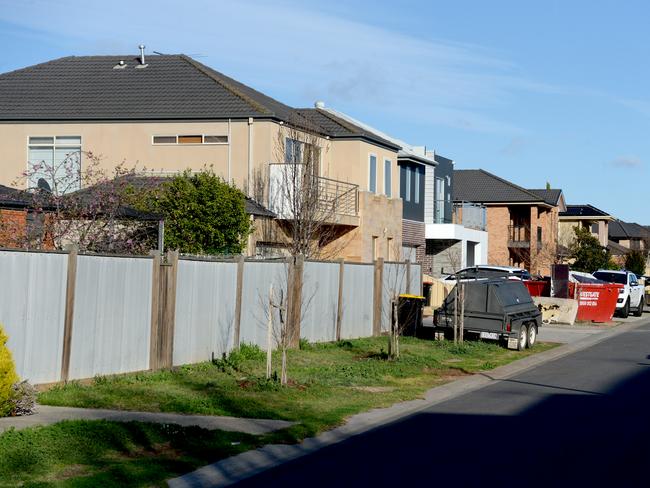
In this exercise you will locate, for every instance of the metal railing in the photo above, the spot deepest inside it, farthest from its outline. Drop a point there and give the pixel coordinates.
(287, 183)
(519, 235)
(470, 215)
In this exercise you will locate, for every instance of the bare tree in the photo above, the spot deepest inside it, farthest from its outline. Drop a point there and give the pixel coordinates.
(86, 207)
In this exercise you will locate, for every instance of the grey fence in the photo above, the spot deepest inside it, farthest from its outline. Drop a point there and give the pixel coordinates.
(72, 316)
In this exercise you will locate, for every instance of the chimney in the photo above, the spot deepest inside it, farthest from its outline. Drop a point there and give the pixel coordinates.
(319, 104)
(142, 62)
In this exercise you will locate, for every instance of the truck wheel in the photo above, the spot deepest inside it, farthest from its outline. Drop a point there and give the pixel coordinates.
(532, 335)
(639, 310)
(523, 338)
(625, 311)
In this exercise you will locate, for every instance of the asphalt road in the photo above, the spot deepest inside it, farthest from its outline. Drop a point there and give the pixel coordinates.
(582, 420)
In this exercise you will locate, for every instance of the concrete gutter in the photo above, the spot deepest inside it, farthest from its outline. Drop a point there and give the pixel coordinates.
(234, 469)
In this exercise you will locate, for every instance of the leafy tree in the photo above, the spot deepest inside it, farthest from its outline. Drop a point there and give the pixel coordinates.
(203, 214)
(587, 252)
(635, 262)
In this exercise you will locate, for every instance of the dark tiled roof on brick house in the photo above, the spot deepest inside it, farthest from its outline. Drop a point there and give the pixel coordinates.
(477, 185)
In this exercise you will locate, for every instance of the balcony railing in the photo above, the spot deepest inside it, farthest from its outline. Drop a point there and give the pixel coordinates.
(518, 236)
(290, 190)
(470, 215)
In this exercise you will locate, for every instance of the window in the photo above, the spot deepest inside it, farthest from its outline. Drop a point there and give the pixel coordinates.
(190, 139)
(298, 152)
(407, 197)
(439, 203)
(372, 184)
(55, 160)
(387, 177)
(594, 228)
(416, 197)
(539, 234)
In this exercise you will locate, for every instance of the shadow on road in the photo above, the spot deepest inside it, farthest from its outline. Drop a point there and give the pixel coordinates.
(575, 438)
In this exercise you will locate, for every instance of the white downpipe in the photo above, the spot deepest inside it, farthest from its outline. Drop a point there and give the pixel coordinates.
(229, 152)
(250, 156)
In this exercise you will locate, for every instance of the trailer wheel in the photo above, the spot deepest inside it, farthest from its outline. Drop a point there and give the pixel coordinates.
(523, 338)
(532, 335)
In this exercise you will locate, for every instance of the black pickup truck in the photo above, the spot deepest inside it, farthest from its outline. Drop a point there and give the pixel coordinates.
(497, 309)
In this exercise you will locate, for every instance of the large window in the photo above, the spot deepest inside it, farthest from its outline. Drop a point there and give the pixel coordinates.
(439, 215)
(407, 195)
(416, 196)
(387, 178)
(372, 182)
(298, 152)
(55, 162)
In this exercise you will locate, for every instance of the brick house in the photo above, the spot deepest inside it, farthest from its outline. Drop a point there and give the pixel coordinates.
(522, 224)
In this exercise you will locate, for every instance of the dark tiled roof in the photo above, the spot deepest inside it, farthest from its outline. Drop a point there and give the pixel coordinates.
(477, 185)
(442, 159)
(88, 88)
(616, 249)
(583, 211)
(337, 127)
(255, 208)
(14, 198)
(550, 196)
(619, 230)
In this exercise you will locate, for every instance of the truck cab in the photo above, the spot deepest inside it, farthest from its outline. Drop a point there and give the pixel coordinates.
(631, 293)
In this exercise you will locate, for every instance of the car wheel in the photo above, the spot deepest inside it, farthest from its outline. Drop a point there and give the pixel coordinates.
(523, 338)
(532, 335)
(639, 310)
(625, 311)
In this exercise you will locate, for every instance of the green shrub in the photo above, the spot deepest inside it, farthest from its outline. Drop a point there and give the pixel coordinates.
(8, 376)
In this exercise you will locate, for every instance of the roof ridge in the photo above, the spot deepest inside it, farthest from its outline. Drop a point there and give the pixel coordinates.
(206, 71)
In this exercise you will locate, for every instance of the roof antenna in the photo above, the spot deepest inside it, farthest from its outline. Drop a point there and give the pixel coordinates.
(142, 63)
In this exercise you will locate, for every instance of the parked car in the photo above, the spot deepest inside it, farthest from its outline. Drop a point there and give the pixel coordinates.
(484, 271)
(630, 296)
(494, 309)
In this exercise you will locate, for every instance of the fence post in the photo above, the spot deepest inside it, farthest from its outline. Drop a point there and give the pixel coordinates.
(294, 293)
(154, 335)
(238, 300)
(377, 296)
(339, 303)
(168, 307)
(71, 281)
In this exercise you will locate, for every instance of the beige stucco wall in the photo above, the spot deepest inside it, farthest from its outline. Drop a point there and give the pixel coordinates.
(567, 235)
(252, 146)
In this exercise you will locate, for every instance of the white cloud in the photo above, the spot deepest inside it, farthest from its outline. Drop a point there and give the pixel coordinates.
(299, 55)
(629, 162)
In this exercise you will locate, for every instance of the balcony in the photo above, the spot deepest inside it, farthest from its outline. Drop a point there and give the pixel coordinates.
(470, 215)
(292, 192)
(519, 236)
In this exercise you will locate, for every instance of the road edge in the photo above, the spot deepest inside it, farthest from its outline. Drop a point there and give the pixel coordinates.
(247, 464)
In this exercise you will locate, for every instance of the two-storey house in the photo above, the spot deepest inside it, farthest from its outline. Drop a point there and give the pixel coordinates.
(522, 224)
(168, 113)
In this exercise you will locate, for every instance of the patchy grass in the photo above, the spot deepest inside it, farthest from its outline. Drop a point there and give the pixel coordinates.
(329, 382)
(111, 454)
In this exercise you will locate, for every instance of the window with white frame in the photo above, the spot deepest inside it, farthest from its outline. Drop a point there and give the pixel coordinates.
(298, 152)
(387, 177)
(180, 139)
(372, 173)
(55, 162)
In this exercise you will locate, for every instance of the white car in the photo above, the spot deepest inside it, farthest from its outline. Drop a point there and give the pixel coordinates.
(630, 297)
(483, 271)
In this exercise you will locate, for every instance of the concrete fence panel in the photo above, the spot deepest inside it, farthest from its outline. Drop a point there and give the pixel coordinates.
(32, 309)
(205, 310)
(112, 316)
(319, 301)
(357, 301)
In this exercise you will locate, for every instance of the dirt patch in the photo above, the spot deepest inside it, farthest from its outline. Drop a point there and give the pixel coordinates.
(71, 471)
(374, 389)
(452, 360)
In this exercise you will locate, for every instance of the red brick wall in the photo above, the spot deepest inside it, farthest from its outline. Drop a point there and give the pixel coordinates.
(13, 227)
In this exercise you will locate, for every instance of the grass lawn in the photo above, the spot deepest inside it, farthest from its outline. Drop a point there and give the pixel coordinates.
(328, 382)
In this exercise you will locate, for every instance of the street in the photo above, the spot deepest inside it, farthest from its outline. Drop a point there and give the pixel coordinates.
(581, 420)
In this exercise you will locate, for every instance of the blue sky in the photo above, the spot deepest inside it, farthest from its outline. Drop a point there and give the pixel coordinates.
(532, 91)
